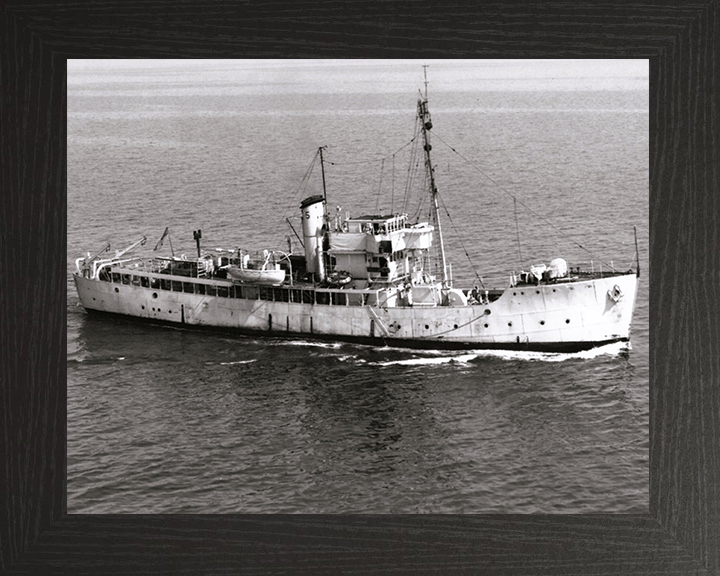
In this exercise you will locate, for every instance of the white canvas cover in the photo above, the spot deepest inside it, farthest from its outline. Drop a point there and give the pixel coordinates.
(418, 237)
(558, 268)
(348, 242)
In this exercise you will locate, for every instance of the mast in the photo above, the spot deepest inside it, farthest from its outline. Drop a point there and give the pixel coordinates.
(322, 168)
(424, 116)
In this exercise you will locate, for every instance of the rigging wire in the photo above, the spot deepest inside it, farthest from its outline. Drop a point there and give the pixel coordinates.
(462, 244)
(392, 187)
(301, 188)
(522, 203)
(377, 201)
(421, 203)
(517, 230)
(413, 161)
(374, 160)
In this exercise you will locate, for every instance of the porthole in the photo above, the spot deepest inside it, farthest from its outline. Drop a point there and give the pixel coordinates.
(487, 311)
(485, 325)
(426, 327)
(143, 307)
(567, 321)
(537, 291)
(542, 322)
(454, 325)
(154, 294)
(522, 293)
(509, 323)
(117, 289)
(169, 311)
(514, 293)
(554, 290)
(153, 309)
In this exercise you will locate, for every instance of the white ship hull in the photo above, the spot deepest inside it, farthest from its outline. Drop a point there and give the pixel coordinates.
(549, 317)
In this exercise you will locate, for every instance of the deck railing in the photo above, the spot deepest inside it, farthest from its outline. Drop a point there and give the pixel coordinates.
(228, 289)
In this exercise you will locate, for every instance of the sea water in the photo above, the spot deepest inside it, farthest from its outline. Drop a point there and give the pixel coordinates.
(166, 420)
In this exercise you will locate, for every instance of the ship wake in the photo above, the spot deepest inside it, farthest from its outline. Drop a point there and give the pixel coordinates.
(434, 357)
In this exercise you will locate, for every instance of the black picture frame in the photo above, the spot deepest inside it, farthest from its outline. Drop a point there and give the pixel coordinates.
(681, 531)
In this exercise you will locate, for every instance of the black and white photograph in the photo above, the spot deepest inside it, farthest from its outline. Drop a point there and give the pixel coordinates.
(358, 286)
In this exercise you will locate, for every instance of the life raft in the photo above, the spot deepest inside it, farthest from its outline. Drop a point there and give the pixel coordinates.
(615, 294)
(339, 278)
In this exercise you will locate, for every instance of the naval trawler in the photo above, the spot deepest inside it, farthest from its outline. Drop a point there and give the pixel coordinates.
(368, 279)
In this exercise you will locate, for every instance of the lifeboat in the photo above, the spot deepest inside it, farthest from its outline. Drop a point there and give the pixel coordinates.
(265, 271)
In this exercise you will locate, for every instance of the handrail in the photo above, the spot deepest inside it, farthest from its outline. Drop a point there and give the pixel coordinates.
(287, 257)
(100, 264)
